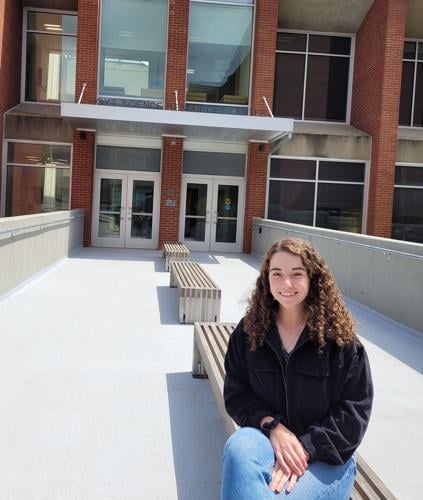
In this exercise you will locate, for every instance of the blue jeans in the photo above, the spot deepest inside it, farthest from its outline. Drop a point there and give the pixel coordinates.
(248, 460)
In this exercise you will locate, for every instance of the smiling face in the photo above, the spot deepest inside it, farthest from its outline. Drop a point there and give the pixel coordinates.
(288, 280)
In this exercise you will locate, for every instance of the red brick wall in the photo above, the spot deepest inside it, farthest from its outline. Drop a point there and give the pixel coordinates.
(375, 102)
(172, 155)
(177, 50)
(10, 57)
(83, 149)
(87, 48)
(255, 195)
(82, 179)
(264, 55)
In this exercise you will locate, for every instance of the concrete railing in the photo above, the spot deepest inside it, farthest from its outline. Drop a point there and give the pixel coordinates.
(30, 243)
(385, 275)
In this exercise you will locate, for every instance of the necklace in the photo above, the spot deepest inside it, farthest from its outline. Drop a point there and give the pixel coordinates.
(295, 333)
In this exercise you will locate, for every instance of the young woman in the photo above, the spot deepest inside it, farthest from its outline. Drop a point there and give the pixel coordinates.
(298, 384)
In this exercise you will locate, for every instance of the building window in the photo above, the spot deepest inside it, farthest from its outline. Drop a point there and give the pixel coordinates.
(317, 193)
(312, 76)
(407, 213)
(411, 104)
(38, 178)
(219, 53)
(133, 48)
(50, 56)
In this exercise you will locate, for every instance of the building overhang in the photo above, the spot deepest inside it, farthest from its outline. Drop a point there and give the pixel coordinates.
(336, 16)
(191, 125)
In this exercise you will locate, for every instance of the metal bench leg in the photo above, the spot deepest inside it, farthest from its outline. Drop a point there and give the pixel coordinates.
(198, 370)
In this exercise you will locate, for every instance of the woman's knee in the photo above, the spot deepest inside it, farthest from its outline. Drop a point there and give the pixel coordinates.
(248, 444)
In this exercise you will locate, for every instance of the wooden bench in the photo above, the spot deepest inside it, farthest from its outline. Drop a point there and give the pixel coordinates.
(200, 297)
(210, 346)
(173, 251)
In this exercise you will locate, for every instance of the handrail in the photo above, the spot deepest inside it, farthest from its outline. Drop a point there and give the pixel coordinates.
(36, 227)
(267, 106)
(176, 100)
(84, 86)
(338, 241)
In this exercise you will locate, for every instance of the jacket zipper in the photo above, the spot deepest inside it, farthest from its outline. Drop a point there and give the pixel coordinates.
(285, 376)
(284, 383)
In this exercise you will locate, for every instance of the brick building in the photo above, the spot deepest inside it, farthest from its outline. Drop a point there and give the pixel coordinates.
(178, 119)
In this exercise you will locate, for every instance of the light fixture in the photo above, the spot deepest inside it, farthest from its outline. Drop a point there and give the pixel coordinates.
(53, 27)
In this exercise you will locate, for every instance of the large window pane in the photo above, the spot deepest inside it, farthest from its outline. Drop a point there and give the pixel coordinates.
(289, 83)
(133, 47)
(38, 154)
(418, 99)
(409, 50)
(50, 67)
(407, 217)
(327, 88)
(31, 190)
(292, 169)
(219, 53)
(295, 42)
(52, 22)
(291, 201)
(406, 93)
(341, 171)
(135, 159)
(339, 207)
(329, 44)
(409, 176)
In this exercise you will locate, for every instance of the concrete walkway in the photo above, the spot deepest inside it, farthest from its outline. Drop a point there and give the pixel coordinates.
(97, 399)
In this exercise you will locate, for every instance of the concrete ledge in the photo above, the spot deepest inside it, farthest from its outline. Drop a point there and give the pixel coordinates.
(31, 243)
(384, 274)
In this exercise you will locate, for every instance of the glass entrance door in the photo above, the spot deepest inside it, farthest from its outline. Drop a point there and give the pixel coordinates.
(211, 214)
(142, 201)
(195, 226)
(126, 210)
(226, 228)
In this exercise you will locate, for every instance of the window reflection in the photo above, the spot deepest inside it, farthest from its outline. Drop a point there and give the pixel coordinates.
(32, 190)
(219, 53)
(50, 57)
(133, 47)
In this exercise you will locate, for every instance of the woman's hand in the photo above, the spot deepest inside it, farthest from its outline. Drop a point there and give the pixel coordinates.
(280, 478)
(289, 452)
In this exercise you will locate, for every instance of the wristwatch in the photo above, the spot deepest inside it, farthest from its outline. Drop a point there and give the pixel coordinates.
(268, 426)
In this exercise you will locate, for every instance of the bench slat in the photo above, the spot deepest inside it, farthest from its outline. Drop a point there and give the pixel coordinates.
(174, 251)
(192, 275)
(211, 340)
(199, 296)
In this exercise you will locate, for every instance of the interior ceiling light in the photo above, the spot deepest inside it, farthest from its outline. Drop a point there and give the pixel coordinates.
(53, 27)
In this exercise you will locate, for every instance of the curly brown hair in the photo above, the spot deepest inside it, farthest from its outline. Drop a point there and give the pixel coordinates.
(328, 317)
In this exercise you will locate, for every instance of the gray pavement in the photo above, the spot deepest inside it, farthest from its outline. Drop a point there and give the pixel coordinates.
(97, 399)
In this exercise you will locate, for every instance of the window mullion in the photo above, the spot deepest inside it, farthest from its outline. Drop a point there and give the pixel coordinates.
(305, 79)
(414, 86)
(315, 193)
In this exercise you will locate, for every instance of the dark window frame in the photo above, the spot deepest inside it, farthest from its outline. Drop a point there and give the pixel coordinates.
(417, 63)
(25, 31)
(316, 181)
(308, 53)
(415, 188)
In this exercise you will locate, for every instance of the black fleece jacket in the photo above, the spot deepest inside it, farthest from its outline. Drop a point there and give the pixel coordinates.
(325, 398)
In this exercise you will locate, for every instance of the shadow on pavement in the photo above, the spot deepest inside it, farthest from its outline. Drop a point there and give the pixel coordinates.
(198, 437)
